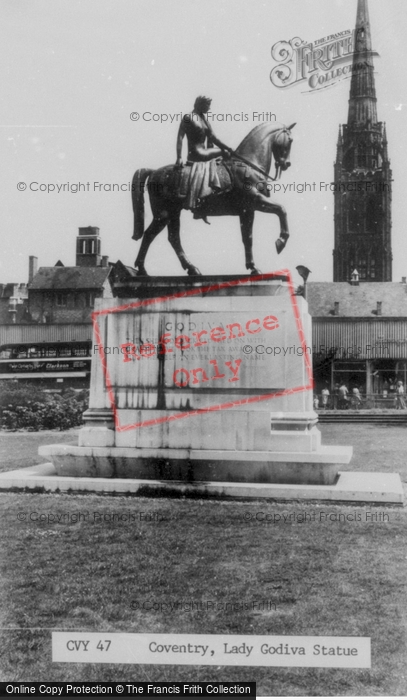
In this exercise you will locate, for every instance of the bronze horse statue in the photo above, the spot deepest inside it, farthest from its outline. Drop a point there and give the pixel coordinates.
(248, 168)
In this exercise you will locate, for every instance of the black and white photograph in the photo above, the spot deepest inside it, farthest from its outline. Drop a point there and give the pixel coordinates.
(203, 348)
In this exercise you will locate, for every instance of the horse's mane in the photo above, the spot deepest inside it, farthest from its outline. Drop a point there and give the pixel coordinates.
(258, 134)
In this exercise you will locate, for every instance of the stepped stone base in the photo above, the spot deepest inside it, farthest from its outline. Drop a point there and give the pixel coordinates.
(362, 487)
(197, 466)
(203, 382)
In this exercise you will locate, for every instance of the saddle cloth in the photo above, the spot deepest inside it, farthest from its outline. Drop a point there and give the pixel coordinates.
(201, 181)
(195, 181)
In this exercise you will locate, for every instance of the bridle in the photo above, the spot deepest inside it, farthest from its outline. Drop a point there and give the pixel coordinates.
(281, 131)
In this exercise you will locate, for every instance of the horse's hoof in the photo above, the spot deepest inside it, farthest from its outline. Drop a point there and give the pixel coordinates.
(280, 245)
(255, 271)
(194, 272)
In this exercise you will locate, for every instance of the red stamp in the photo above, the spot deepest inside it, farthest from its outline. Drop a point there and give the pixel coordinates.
(174, 342)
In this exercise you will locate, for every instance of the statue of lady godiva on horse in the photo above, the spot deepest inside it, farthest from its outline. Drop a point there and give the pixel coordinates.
(215, 181)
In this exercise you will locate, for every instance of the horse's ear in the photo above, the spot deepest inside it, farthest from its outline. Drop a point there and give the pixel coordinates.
(291, 127)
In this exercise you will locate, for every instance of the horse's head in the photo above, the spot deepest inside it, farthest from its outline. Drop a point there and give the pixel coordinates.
(281, 149)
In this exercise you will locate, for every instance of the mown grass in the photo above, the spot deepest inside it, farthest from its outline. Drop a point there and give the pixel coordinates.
(376, 448)
(20, 449)
(324, 577)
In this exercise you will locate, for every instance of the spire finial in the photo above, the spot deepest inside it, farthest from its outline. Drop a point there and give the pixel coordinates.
(362, 102)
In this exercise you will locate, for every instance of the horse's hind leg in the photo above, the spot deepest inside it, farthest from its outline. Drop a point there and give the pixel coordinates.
(175, 240)
(151, 232)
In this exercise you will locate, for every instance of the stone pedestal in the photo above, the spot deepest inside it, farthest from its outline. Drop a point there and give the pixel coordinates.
(202, 379)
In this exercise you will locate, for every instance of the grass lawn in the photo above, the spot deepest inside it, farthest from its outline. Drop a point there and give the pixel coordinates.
(376, 448)
(324, 577)
(20, 449)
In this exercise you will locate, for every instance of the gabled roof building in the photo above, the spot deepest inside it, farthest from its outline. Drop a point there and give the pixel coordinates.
(52, 313)
(359, 336)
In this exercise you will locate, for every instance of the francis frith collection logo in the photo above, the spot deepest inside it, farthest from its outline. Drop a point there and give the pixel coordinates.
(320, 64)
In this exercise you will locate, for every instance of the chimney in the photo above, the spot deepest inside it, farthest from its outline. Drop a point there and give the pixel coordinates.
(336, 308)
(378, 308)
(32, 267)
(404, 280)
(105, 261)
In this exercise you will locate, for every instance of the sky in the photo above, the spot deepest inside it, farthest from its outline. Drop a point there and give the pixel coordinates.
(74, 70)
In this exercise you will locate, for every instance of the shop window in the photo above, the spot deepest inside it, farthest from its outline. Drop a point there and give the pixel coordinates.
(351, 373)
(384, 376)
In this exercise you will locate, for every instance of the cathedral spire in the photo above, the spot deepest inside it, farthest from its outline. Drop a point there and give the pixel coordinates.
(362, 102)
(363, 177)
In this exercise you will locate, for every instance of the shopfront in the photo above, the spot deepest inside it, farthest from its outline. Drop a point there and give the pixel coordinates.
(364, 355)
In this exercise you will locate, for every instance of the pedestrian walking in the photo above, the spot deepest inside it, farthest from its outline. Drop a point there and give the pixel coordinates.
(325, 397)
(343, 396)
(400, 403)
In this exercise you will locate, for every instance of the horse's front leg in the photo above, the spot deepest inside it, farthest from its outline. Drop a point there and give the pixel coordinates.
(175, 240)
(246, 228)
(262, 203)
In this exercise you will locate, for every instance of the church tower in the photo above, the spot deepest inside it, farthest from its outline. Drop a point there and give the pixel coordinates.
(362, 174)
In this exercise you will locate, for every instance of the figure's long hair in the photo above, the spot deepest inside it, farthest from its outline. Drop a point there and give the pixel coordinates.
(201, 102)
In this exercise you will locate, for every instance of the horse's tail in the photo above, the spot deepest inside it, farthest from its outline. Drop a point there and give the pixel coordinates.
(137, 195)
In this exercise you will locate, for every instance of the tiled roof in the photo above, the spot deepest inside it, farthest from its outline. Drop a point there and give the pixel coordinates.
(70, 278)
(358, 300)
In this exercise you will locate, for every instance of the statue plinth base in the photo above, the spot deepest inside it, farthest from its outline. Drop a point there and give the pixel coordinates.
(202, 380)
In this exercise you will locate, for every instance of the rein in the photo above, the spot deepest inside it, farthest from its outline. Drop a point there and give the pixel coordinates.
(256, 167)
